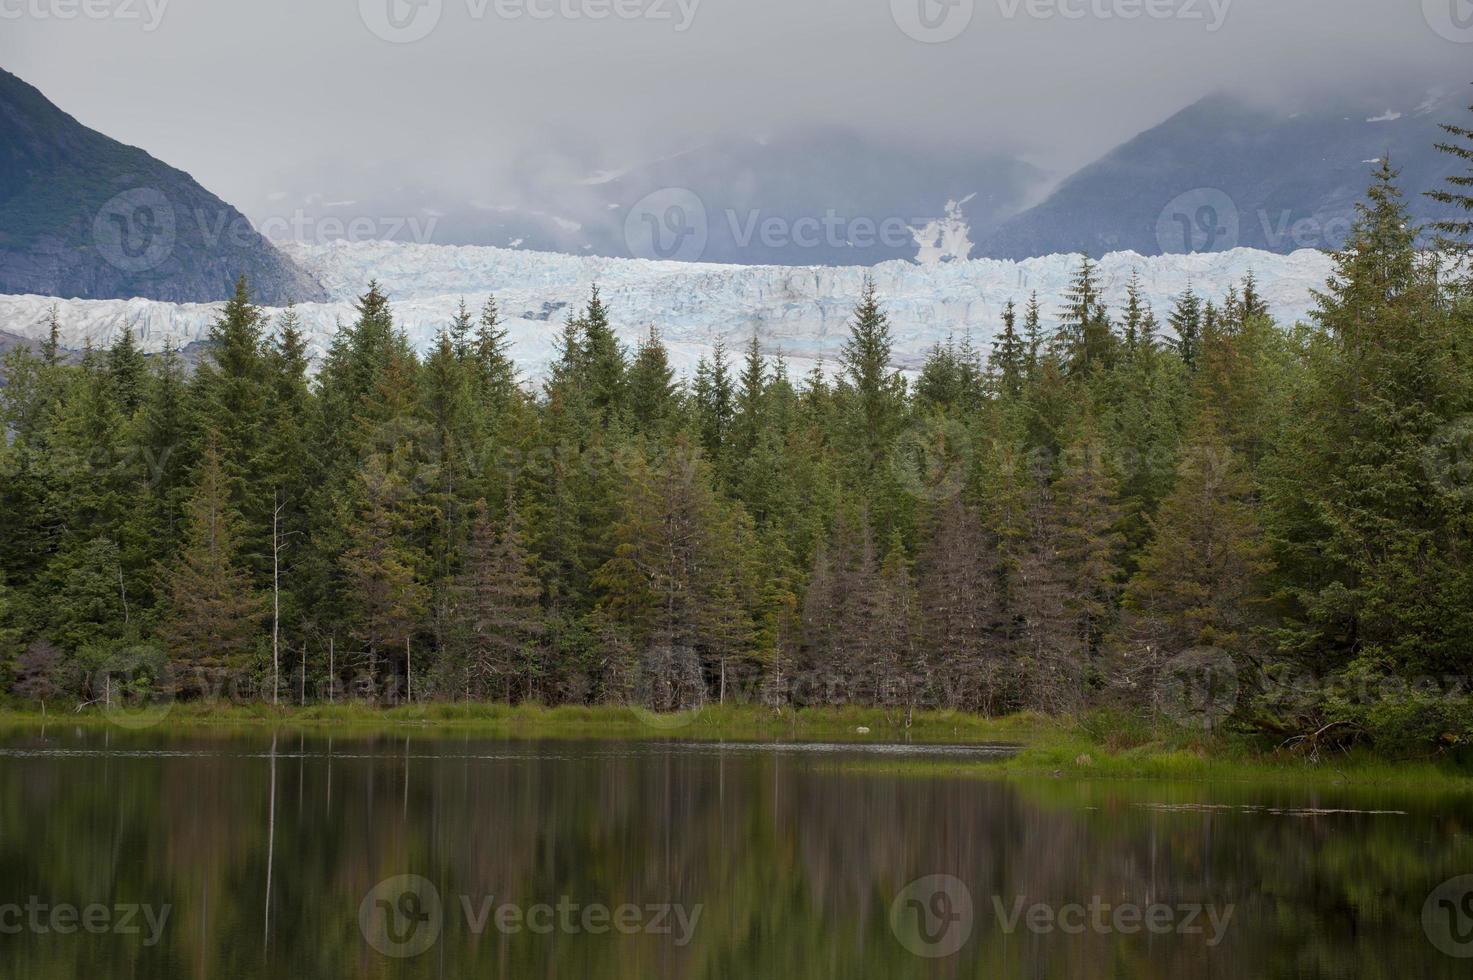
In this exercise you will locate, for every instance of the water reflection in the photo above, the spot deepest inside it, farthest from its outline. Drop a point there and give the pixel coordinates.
(290, 856)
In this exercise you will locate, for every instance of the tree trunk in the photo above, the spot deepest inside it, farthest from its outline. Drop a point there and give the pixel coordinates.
(276, 602)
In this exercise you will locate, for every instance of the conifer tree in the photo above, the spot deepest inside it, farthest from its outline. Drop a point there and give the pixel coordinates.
(1009, 360)
(1253, 305)
(1138, 325)
(381, 566)
(604, 363)
(497, 623)
(676, 577)
(164, 436)
(1374, 533)
(1455, 231)
(1089, 542)
(872, 387)
(1046, 639)
(960, 603)
(750, 418)
(653, 393)
(899, 673)
(1032, 333)
(1186, 323)
(1085, 338)
(839, 611)
(127, 372)
(491, 350)
(951, 380)
(714, 399)
(212, 614)
(51, 346)
(1203, 580)
(86, 595)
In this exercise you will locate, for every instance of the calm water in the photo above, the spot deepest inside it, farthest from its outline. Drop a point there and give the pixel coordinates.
(138, 856)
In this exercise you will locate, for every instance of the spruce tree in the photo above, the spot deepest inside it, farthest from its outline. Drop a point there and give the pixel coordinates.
(714, 402)
(1090, 542)
(872, 387)
(1009, 361)
(212, 615)
(1186, 323)
(653, 393)
(1455, 231)
(1032, 334)
(127, 372)
(750, 417)
(491, 349)
(382, 564)
(497, 623)
(604, 363)
(676, 578)
(1138, 325)
(899, 672)
(1203, 581)
(1374, 533)
(51, 346)
(1085, 338)
(960, 602)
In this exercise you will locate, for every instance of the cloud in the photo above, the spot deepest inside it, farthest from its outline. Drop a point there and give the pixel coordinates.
(265, 103)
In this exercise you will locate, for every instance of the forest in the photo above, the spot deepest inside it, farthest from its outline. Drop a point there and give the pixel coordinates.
(1268, 523)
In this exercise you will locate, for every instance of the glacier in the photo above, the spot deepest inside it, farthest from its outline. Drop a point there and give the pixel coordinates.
(801, 311)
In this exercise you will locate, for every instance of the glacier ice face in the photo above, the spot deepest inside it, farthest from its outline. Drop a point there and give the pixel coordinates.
(802, 311)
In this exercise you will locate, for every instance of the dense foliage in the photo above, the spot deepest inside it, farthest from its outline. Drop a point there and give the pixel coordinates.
(1099, 515)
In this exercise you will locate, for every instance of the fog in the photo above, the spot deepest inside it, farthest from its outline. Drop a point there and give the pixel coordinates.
(271, 103)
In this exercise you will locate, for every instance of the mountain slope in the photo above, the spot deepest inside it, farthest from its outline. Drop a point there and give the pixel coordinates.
(82, 215)
(821, 196)
(1223, 173)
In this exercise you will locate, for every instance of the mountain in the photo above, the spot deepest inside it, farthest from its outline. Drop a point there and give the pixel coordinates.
(802, 311)
(1224, 173)
(82, 215)
(820, 196)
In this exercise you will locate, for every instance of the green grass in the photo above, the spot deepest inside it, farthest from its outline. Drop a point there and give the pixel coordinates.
(1105, 746)
(534, 721)
(1098, 746)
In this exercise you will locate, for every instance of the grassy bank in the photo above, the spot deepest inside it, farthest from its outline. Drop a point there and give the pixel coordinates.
(1098, 746)
(1114, 748)
(533, 721)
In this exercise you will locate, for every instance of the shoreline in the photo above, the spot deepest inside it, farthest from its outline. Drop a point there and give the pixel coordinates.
(1050, 748)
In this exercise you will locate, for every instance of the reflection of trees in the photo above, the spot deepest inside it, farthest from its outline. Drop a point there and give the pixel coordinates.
(795, 859)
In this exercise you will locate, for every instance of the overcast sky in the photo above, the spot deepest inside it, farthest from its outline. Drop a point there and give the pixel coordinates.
(254, 95)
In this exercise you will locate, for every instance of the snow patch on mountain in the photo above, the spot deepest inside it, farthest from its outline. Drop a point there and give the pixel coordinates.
(802, 311)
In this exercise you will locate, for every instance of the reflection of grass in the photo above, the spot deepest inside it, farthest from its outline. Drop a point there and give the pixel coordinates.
(534, 721)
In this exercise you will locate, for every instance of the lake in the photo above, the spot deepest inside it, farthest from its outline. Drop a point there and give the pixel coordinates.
(157, 856)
